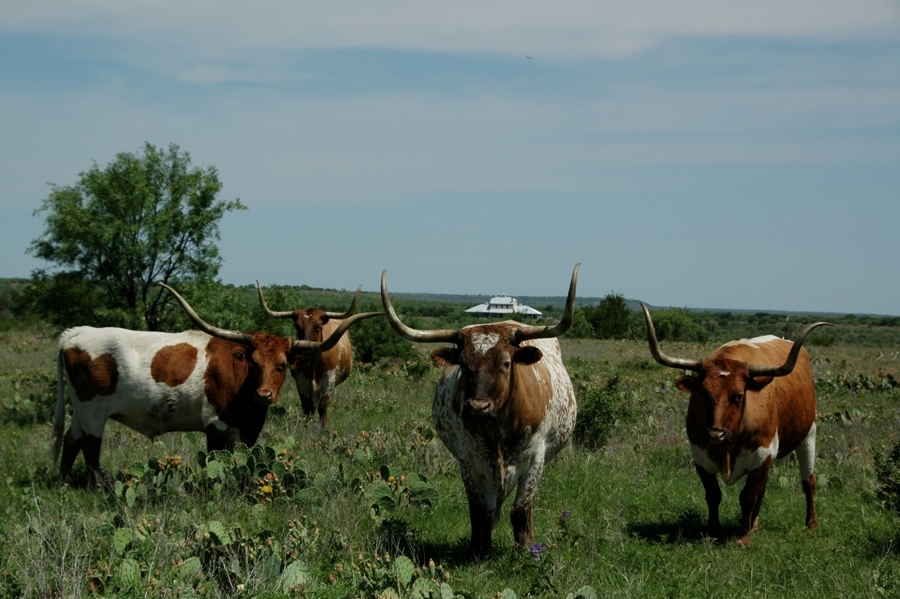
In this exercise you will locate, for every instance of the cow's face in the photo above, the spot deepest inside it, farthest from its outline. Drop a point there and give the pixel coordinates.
(271, 357)
(486, 357)
(310, 324)
(720, 392)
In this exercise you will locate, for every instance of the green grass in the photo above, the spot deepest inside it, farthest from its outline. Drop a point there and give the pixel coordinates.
(634, 509)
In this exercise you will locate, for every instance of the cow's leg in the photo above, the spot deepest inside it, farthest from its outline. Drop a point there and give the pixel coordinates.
(323, 410)
(216, 439)
(523, 528)
(751, 500)
(520, 514)
(90, 446)
(70, 449)
(713, 499)
(809, 489)
(308, 405)
(481, 519)
(806, 458)
(252, 422)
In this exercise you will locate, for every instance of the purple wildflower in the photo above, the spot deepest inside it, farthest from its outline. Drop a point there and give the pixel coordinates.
(565, 514)
(537, 549)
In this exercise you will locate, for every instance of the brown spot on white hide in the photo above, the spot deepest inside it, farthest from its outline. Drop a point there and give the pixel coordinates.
(91, 377)
(173, 364)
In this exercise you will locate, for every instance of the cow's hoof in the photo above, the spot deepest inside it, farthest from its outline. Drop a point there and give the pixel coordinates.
(743, 541)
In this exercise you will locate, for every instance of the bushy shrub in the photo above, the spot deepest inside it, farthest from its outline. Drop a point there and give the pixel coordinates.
(581, 328)
(676, 324)
(375, 340)
(601, 407)
(610, 318)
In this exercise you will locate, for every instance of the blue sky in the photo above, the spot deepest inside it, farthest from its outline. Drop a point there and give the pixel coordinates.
(700, 153)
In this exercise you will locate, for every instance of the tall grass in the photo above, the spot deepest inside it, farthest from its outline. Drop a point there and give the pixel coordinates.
(625, 518)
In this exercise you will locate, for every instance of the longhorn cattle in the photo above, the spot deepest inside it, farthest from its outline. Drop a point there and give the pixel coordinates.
(317, 379)
(213, 380)
(752, 402)
(504, 407)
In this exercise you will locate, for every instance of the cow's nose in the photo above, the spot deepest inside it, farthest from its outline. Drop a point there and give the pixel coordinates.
(719, 436)
(478, 408)
(266, 398)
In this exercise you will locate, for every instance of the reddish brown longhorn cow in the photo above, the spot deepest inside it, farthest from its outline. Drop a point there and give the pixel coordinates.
(752, 402)
(214, 380)
(317, 379)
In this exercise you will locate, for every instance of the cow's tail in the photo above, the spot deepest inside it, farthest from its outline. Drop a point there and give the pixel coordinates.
(59, 416)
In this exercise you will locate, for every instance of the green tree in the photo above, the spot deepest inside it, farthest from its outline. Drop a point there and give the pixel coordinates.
(121, 229)
(374, 340)
(610, 318)
(581, 328)
(676, 324)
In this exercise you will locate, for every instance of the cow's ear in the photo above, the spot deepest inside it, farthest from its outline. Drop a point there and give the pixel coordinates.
(445, 356)
(527, 354)
(758, 383)
(687, 383)
(325, 319)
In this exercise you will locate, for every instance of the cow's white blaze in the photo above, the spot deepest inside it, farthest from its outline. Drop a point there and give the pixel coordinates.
(483, 342)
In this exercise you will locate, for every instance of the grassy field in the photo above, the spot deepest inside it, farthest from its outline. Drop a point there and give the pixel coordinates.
(374, 505)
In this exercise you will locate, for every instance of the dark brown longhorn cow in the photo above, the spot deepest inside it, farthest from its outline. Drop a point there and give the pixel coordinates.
(504, 407)
(752, 401)
(317, 379)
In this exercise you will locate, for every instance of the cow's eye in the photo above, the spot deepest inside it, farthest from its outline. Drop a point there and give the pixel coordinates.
(282, 367)
(507, 364)
(737, 398)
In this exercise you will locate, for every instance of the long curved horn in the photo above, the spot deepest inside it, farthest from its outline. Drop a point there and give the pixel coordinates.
(226, 334)
(350, 310)
(265, 306)
(658, 355)
(437, 336)
(788, 366)
(324, 346)
(290, 313)
(531, 332)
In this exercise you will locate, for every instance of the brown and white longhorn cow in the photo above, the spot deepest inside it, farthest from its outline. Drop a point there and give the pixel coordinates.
(317, 379)
(752, 402)
(214, 380)
(504, 407)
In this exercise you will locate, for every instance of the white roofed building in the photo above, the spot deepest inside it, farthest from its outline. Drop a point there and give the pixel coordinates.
(503, 306)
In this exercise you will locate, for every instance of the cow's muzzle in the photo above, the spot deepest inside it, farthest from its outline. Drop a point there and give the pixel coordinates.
(719, 436)
(479, 408)
(266, 398)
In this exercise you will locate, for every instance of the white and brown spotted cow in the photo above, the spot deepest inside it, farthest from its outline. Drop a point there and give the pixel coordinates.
(317, 379)
(752, 402)
(504, 407)
(215, 380)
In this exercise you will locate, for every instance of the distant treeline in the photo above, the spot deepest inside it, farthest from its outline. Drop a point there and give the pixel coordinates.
(610, 317)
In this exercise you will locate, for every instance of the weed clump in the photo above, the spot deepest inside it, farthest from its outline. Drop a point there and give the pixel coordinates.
(601, 408)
